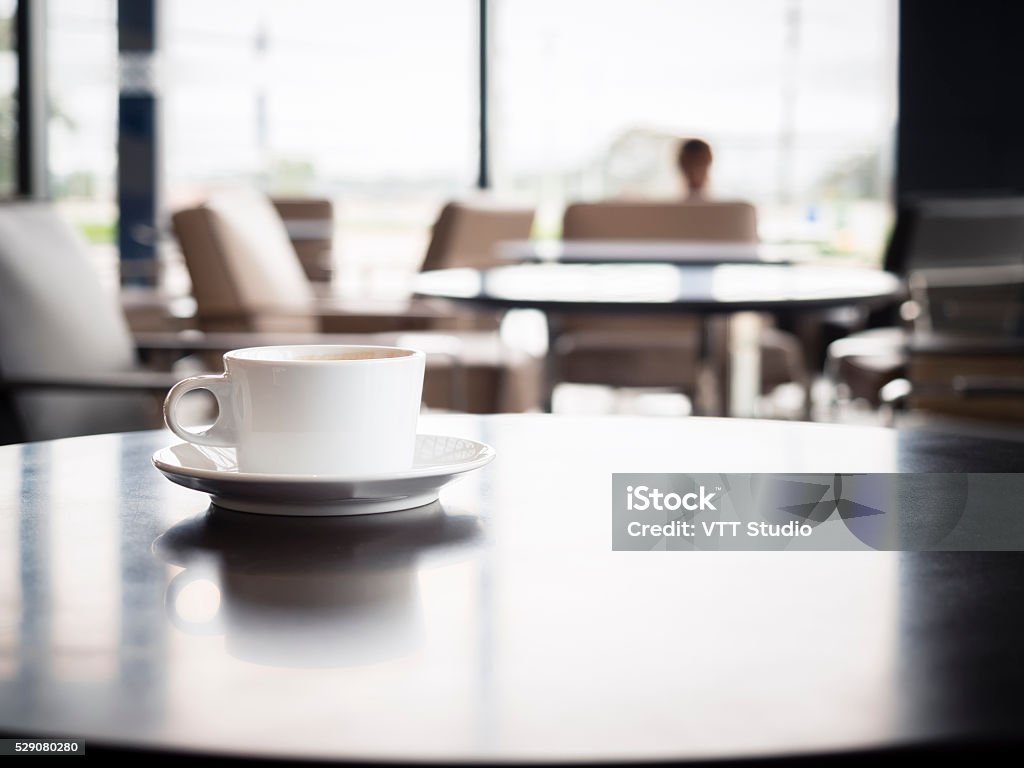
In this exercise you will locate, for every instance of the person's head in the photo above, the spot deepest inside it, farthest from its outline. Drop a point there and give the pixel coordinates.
(694, 163)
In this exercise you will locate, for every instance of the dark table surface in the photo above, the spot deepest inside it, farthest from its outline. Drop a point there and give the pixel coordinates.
(724, 288)
(497, 625)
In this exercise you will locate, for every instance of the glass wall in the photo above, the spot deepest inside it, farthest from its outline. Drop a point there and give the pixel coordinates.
(8, 103)
(797, 99)
(370, 104)
(81, 51)
(375, 106)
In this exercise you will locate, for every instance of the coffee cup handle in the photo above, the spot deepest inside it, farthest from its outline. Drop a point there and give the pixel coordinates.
(222, 433)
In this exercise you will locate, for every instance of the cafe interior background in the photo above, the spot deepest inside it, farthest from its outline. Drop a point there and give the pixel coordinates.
(185, 177)
(393, 139)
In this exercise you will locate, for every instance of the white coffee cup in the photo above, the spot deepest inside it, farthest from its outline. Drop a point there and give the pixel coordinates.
(344, 411)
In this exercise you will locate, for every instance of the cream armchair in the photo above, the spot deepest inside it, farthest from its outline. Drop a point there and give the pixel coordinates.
(646, 351)
(467, 235)
(246, 276)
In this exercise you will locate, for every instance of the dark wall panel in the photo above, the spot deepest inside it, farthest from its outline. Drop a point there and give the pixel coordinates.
(137, 147)
(961, 104)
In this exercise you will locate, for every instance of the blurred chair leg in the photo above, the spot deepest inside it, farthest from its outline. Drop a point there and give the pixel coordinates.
(550, 373)
(834, 383)
(894, 397)
(718, 364)
(744, 364)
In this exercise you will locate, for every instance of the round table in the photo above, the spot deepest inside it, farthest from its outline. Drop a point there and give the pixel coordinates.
(662, 288)
(688, 252)
(733, 290)
(497, 625)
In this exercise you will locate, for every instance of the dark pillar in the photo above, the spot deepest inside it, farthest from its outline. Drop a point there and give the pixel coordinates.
(137, 147)
(483, 179)
(30, 22)
(961, 117)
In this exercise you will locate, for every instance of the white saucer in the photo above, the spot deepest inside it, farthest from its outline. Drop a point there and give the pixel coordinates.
(439, 459)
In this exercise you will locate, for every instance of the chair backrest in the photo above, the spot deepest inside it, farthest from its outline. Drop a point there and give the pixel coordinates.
(670, 220)
(310, 226)
(982, 302)
(57, 319)
(245, 273)
(958, 232)
(969, 331)
(465, 234)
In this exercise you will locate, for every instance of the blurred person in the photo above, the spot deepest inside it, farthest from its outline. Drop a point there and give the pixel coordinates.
(694, 162)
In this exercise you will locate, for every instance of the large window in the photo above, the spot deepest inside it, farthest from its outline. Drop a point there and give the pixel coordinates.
(81, 50)
(796, 98)
(371, 104)
(376, 106)
(8, 106)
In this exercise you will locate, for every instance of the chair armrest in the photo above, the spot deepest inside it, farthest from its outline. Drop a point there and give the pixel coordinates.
(988, 386)
(340, 315)
(896, 393)
(129, 381)
(337, 315)
(861, 347)
(947, 344)
(414, 306)
(196, 341)
(866, 345)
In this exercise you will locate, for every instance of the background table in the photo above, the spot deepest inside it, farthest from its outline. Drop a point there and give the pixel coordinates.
(654, 251)
(661, 288)
(497, 625)
(735, 291)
